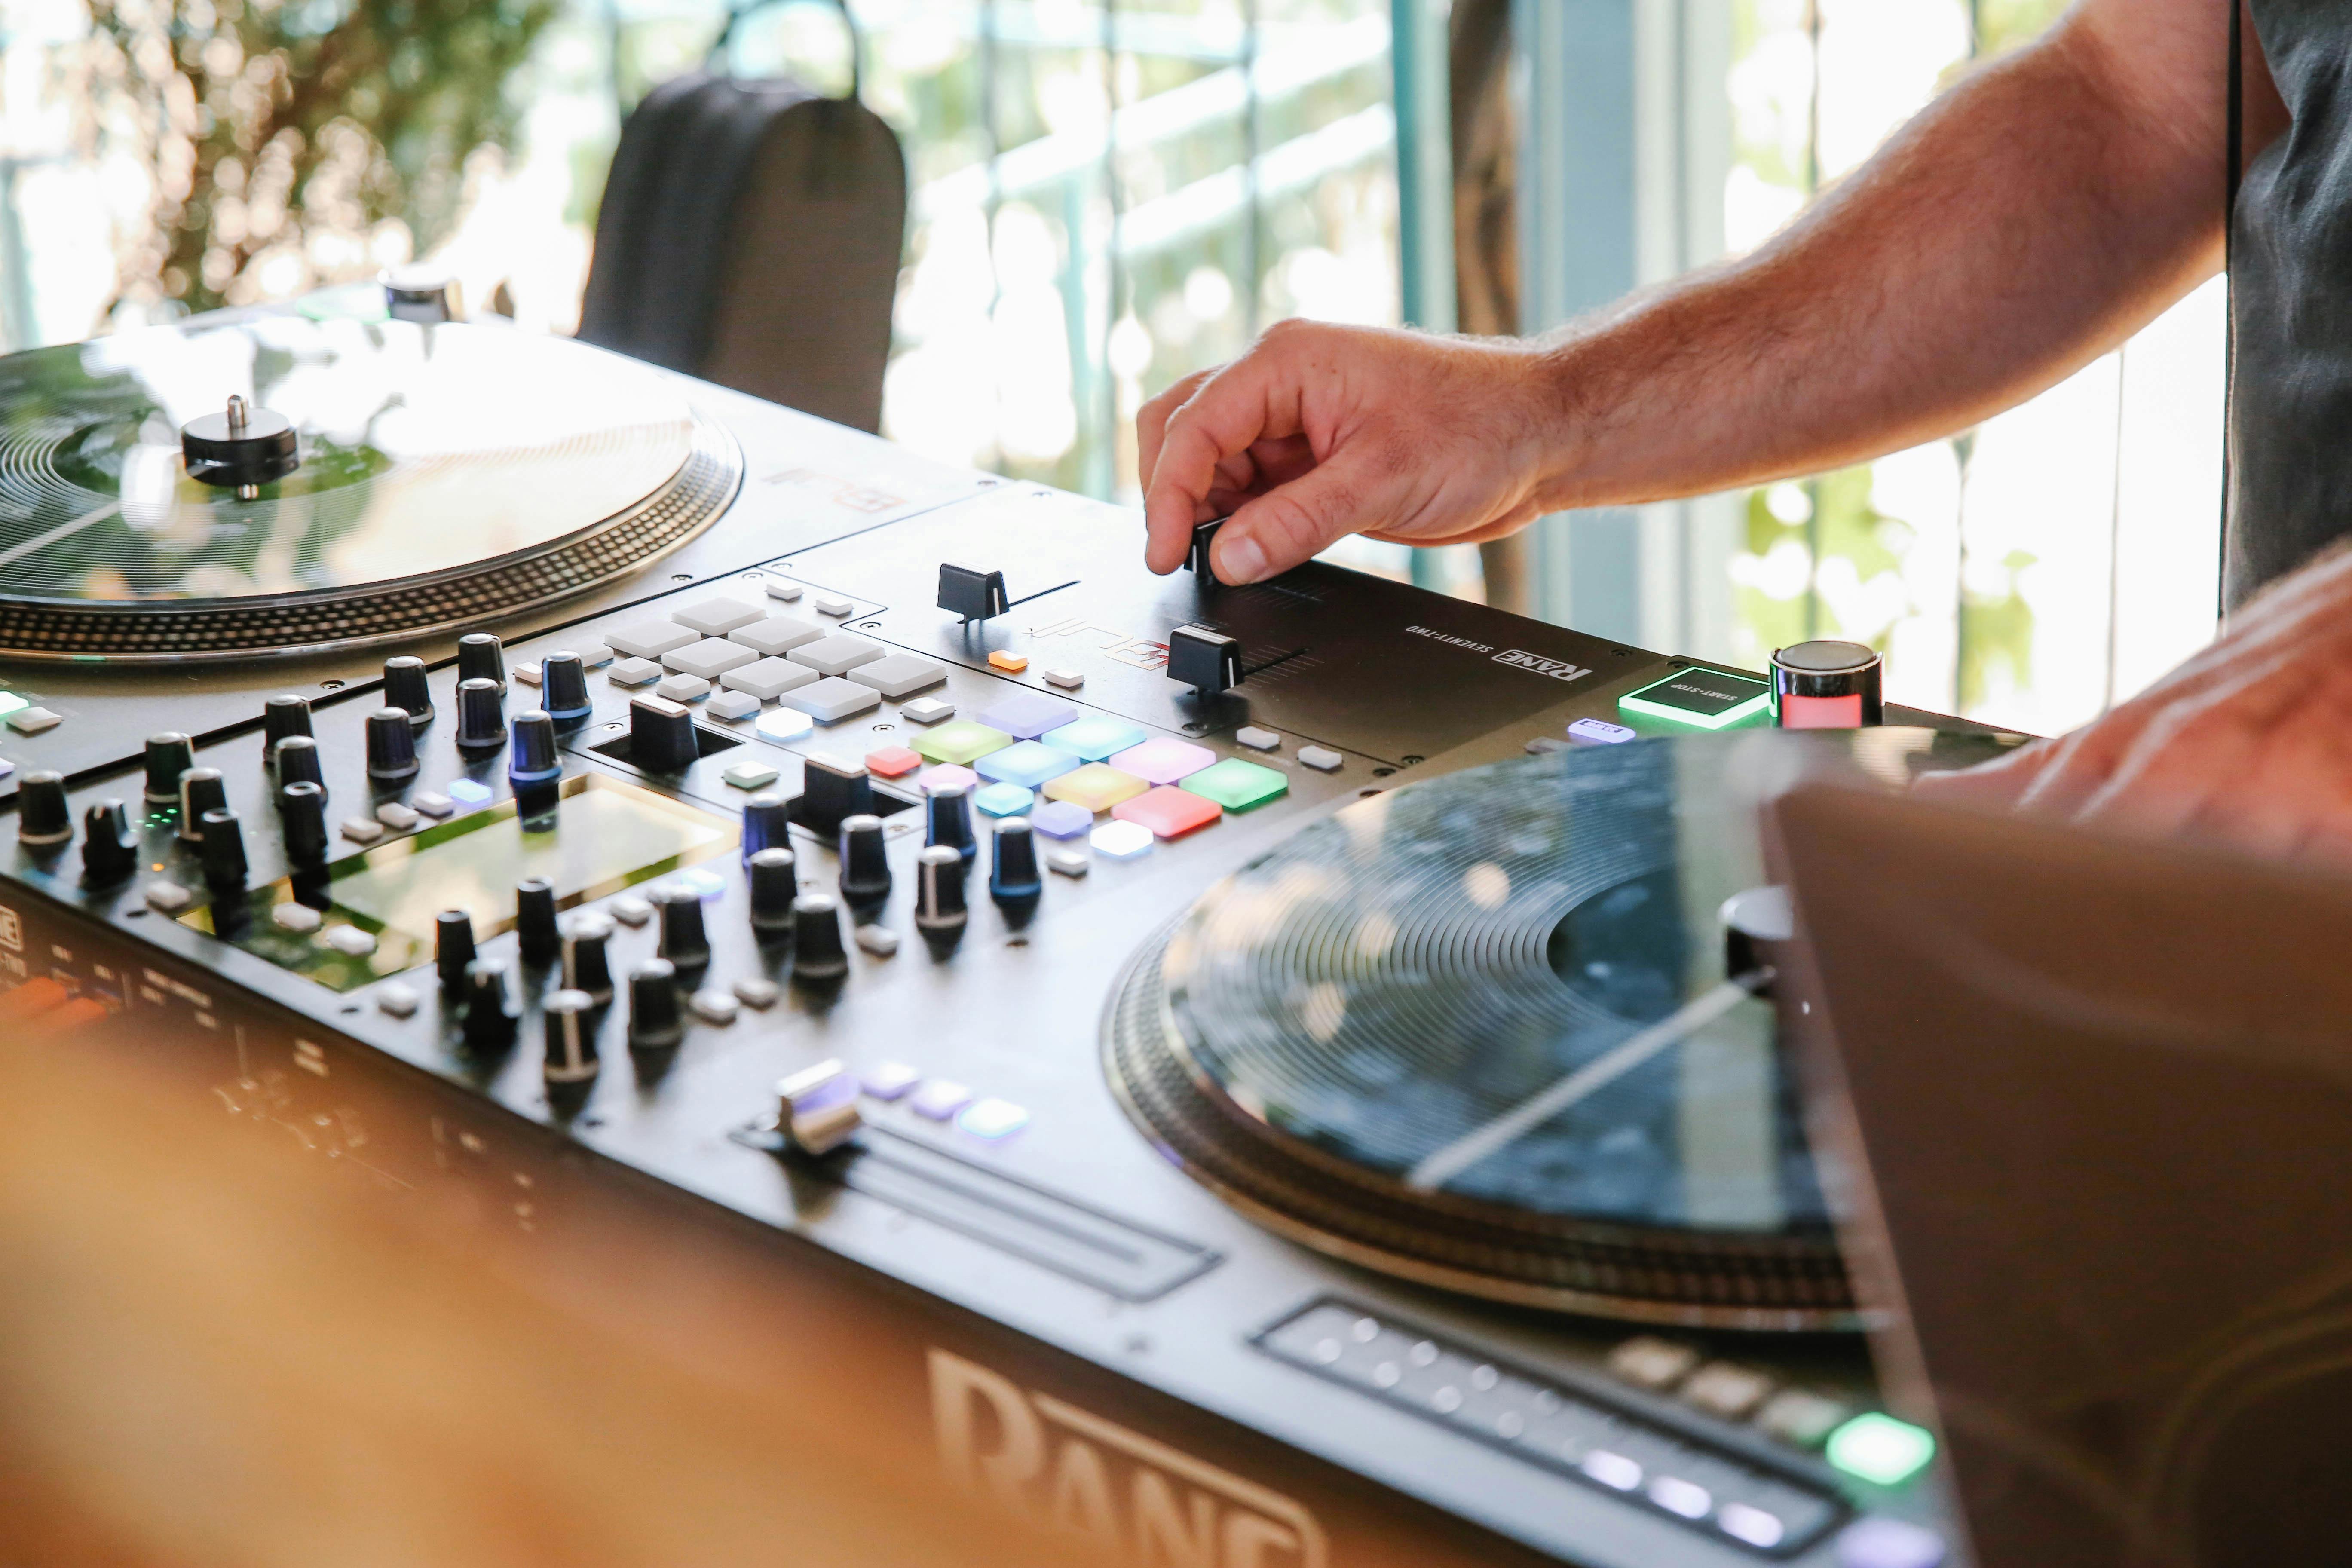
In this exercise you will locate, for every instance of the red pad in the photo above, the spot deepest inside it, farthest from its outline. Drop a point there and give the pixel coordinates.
(1168, 812)
(890, 762)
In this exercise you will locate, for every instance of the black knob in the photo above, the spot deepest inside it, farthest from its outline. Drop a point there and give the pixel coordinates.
(940, 910)
(391, 746)
(282, 717)
(241, 448)
(489, 1006)
(1828, 685)
(110, 850)
(587, 961)
(1209, 662)
(533, 759)
(297, 759)
(480, 657)
(563, 687)
(661, 735)
(684, 942)
(481, 715)
(406, 688)
(775, 884)
(535, 931)
(453, 947)
(302, 821)
(946, 820)
(169, 755)
(831, 791)
(571, 1036)
(201, 790)
(43, 818)
(224, 853)
(655, 1022)
(817, 953)
(865, 864)
(767, 824)
(1013, 880)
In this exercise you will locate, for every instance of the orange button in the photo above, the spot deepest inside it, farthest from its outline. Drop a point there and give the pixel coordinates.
(1010, 663)
(890, 762)
(1168, 812)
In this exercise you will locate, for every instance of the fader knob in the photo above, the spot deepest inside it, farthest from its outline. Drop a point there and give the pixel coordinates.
(570, 1036)
(296, 758)
(865, 863)
(563, 687)
(946, 820)
(406, 688)
(201, 790)
(775, 885)
(481, 657)
(940, 912)
(767, 824)
(303, 822)
(110, 850)
(684, 940)
(587, 961)
(224, 854)
(43, 818)
(489, 1006)
(169, 755)
(533, 759)
(453, 948)
(481, 715)
(832, 791)
(282, 716)
(391, 746)
(817, 953)
(1013, 880)
(655, 1022)
(536, 935)
(661, 735)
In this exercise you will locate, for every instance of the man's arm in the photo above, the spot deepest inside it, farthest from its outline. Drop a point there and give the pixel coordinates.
(2027, 222)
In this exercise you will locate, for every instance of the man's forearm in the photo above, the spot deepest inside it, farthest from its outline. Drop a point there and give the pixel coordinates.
(2029, 222)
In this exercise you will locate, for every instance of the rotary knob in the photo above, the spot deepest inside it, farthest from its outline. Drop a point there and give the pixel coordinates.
(1827, 685)
(481, 715)
(656, 1020)
(946, 820)
(44, 819)
(535, 936)
(110, 850)
(587, 954)
(481, 656)
(391, 746)
(303, 822)
(532, 759)
(865, 862)
(168, 756)
(940, 913)
(661, 735)
(1014, 879)
(283, 717)
(775, 887)
(296, 759)
(240, 449)
(831, 792)
(453, 948)
(563, 687)
(685, 941)
(407, 688)
(571, 1018)
(817, 953)
(767, 824)
(223, 851)
(489, 1006)
(201, 790)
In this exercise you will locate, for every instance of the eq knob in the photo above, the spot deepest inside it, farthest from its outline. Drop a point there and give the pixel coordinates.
(303, 822)
(865, 862)
(775, 887)
(940, 912)
(391, 746)
(481, 715)
(44, 819)
(532, 760)
(282, 718)
(168, 756)
(571, 1017)
(406, 688)
(831, 791)
(946, 820)
(661, 735)
(110, 850)
(767, 824)
(296, 758)
(201, 790)
(587, 954)
(535, 936)
(563, 687)
(453, 948)
(481, 657)
(489, 1006)
(1827, 685)
(685, 940)
(223, 851)
(1013, 879)
(657, 1022)
(817, 953)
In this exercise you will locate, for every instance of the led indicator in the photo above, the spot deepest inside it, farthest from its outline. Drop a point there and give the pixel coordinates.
(1880, 1449)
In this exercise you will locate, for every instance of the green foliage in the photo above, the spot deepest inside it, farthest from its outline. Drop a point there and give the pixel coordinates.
(284, 134)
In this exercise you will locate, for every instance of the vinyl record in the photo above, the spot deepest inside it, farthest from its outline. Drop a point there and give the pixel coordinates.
(448, 475)
(1339, 1036)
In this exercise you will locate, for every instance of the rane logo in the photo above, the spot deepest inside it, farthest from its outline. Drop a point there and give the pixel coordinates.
(1559, 670)
(1056, 1466)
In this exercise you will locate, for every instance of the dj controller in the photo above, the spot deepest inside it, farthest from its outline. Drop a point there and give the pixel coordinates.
(1267, 1058)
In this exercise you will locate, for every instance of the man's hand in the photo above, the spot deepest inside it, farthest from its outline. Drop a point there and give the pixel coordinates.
(1322, 431)
(2248, 743)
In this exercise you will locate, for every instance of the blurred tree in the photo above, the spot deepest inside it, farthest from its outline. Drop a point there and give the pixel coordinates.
(285, 136)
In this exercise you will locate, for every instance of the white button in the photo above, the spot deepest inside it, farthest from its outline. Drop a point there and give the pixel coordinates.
(1676, 1495)
(650, 639)
(168, 898)
(1067, 679)
(634, 672)
(299, 919)
(757, 993)
(1322, 759)
(993, 1119)
(595, 656)
(1069, 862)
(684, 689)
(732, 705)
(396, 1001)
(837, 655)
(926, 711)
(889, 1080)
(774, 635)
(715, 1007)
(1611, 1470)
(1122, 840)
(784, 588)
(717, 617)
(749, 776)
(1752, 1525)
(33, 721)
(831, 605)
(710, 658)
(526, 673)
(398, 817)
(899, 674)
(1257, 739)
(362, 829)
(939, 1098)
(432, 805)
(833, 699)
(783, 724)
(879, 941)
(351, 940)
(631, 911)
(768, 678)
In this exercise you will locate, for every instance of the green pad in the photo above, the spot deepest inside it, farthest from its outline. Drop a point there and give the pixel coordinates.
(1704, 699)
(961, 742)
(1235, 784)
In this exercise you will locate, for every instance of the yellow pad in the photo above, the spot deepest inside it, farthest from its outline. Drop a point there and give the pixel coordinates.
(1097, 786)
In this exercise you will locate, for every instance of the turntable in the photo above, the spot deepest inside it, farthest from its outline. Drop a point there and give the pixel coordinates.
(620, 786)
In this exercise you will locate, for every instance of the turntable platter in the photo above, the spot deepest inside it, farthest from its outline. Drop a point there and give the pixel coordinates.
(448, 475)
(1336, 1038)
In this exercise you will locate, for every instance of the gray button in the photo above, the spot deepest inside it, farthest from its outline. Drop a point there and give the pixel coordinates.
(776, 635)
(710, 658)
(684, 689)
(837, 655)
(832, 699)
(899, 674)
(767, 680)
(1322, 759)
(732, 705)
(717, 617)
(649, 639)
(634, 672)
(927, 711)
